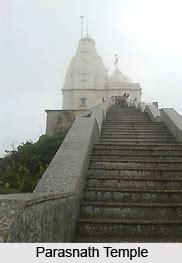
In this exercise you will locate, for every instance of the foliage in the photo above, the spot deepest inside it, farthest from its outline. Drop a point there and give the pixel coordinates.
(22, 168)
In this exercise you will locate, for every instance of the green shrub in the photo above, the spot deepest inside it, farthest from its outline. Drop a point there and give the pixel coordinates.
(22, 168)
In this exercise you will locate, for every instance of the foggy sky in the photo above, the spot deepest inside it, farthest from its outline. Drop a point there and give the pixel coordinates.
(38, 38)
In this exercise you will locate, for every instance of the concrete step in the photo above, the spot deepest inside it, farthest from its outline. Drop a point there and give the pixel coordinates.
(135, 123)
(128, 112)
(113, 117)
(131, 129)
(139, 211)
(136, 136)
(142, 230)
(133, 126)
(132, 182)
(118, 114)
(103, 194)
(133, 137)
(128, 118)
(121, 239)
(135, 174)
(117, 146)
(137, 165)
(134, 152)
(134, 132)
(137, 141)
(104, 157)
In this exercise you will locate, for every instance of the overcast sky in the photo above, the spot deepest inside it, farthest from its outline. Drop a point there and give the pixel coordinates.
(38, 38)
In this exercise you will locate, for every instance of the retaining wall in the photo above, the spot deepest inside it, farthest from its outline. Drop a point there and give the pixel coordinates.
(173, 120)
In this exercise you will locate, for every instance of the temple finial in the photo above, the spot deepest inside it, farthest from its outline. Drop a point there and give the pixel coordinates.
(87, 28)
(116, 60)
(81, 17)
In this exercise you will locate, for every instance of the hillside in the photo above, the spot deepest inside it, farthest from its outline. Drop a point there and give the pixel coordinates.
(22, 168)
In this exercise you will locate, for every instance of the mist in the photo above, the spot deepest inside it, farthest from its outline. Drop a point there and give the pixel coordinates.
(38, 38)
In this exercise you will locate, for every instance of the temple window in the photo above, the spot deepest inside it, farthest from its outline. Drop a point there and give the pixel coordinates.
(82, 102)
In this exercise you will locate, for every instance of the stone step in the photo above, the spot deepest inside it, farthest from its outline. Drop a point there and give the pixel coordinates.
(127, 111)
(133, 187)
(127, 121)
(136, 136)
(135, 123)
(137, 141)
(135, 174)
(131, 229)
(140, 133)
(137, 165)
(134, 132)
(139, 211)
(134, 183)
(121, 239)
(117, 114)
(128, 129)
(128, 118)
(120, 146)
(136, 158)
(136, 152)
(118, 117)
(109, 194)
(133, 126)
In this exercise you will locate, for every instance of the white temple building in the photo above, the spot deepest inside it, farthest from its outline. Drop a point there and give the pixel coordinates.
(87, 83)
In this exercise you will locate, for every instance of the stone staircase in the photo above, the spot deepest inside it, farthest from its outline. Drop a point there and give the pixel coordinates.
(133, 190)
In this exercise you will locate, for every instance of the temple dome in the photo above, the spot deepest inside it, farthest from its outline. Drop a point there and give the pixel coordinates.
(118, 78)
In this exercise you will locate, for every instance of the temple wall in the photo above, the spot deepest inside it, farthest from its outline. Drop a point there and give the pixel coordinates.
(59, 121)
(72, 98)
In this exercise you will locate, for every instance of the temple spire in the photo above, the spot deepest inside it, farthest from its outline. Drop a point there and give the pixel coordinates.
(87, 27)
(116, 60)
(81, 18)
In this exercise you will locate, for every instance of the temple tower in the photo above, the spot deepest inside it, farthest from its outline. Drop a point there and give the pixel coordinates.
(87, 83)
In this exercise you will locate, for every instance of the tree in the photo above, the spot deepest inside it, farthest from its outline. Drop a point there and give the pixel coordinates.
(22, 168)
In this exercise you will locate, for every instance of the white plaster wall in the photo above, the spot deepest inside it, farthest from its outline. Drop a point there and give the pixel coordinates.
(94, 97)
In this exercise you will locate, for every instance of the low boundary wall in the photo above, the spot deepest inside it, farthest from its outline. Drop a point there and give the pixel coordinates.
(171, 118)
(36, 217)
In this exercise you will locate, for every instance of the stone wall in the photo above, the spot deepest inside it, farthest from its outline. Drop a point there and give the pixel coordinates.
(173, 120)
(153, 112)
(59, 121)
(36, 217)
(169, 116)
